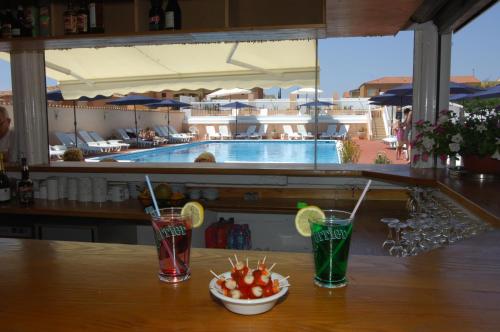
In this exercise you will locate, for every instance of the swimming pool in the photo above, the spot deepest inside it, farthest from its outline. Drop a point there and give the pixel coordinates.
(258, 151)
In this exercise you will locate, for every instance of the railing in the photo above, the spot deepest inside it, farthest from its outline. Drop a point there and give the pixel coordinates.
(274, 112)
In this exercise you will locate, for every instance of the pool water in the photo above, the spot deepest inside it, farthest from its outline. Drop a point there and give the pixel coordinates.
(239, 152)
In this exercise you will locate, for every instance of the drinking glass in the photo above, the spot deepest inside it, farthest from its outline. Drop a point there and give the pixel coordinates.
(331, 238)
(172, 233)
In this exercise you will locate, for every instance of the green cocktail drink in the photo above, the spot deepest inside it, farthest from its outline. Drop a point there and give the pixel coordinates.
(331, 238)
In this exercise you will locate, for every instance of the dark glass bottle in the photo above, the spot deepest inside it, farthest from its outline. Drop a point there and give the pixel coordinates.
(44, 18)
(96, 9)
(70, 19)
(173, 15)
(25, 186)
(4, 183)
(156, 16)
(17, 22)
(31, 22)
(82, 22)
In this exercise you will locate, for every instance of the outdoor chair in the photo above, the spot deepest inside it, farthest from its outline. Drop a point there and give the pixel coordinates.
(57, 151)
(330, 132)
(290, 134)
(249, 132)
(118, 142)
(193, 132)
(392, 141)
(342, 133)
(211, 133)
(103, 144)
(133, 140)
(68, 140)
(301, 129)
(262, 132)
(183, 137)
(225, 133)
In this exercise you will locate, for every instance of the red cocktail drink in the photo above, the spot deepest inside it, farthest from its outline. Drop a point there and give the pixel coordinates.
(173, 242)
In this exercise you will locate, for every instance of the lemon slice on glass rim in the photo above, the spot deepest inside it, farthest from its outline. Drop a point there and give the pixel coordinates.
(195, 211)
(303, 216)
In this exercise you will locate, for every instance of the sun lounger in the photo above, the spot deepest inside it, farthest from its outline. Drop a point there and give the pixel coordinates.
(301, 129)
(68, 139)
(132, 140)
(57, 151)
(330, 132)
(262, 132)
(98, 138)
(249, 132)
(224, 132)
(211, 133)
(185, 138)
(103, 144)
(342, 133)
(289, 133)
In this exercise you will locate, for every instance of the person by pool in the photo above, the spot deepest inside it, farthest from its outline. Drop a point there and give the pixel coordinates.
(205, 157)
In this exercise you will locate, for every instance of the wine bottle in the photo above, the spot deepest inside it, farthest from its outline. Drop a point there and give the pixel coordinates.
(82, 22)
(31, 19)
(25, 186)
(96, 16)
(156, 16)
(44, 18)
(17, 22)
(4, 183)
(70, 19)
(173, 15)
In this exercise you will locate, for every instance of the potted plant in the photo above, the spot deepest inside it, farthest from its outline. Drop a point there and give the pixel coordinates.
(362, 133)
(349, 151)
(475, 137)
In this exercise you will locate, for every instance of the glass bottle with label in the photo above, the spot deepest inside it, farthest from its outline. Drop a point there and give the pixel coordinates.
(25, 186)
(173, 15)
(17, 22)
(4, 183)
(156, 16)
(31, 19)
(44, 18)
(96, 16)
(82, 21)
(70, 19)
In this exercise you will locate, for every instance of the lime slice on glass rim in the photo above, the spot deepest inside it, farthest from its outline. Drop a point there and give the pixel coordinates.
(195, 211)
(303, 216)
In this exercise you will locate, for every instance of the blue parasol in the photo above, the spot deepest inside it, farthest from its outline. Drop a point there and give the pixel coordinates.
(455, 88)
(134, 100)
(237, 105)
(169, 103)
(493, 92)
(56, 95)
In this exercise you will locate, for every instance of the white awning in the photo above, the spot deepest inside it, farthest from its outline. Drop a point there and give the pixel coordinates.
(89, 72)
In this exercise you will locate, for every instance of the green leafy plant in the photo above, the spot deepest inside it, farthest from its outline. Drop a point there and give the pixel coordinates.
(349, 152)
(382, 158)
(477, 133)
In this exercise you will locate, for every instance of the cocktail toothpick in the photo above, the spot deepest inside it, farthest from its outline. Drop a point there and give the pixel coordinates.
(247, 262)
(230, 261)
(281, 286)
(272, 266)
(236, 258)
(215, 274)
(258, 263)
(285, 278)
(264, 260)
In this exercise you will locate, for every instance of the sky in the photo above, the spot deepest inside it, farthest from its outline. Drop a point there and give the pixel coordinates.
(348, 62)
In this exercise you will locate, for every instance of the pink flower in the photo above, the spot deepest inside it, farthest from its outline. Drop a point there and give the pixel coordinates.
(420, 122)
(443, 157)
(416, 158)
(425, 156)
(439, 129)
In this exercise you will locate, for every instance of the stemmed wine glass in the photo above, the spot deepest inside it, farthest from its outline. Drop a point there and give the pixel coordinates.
(389, 242)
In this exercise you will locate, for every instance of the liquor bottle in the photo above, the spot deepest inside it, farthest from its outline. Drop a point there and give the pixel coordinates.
(17, 22)
(82, 23)
(4, 183)
(44, 18)
(31, 19)
(25, 186)
(96, 16)
(70, 19)
(156, 16)
(173, 15)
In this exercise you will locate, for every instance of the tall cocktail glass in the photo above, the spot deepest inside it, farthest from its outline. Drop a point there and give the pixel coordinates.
(172, 233)
(331, 238)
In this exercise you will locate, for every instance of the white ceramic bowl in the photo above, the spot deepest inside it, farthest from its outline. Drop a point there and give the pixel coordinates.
(247, 307)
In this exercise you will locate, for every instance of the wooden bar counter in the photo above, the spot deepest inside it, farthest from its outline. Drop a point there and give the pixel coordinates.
(69, 286)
